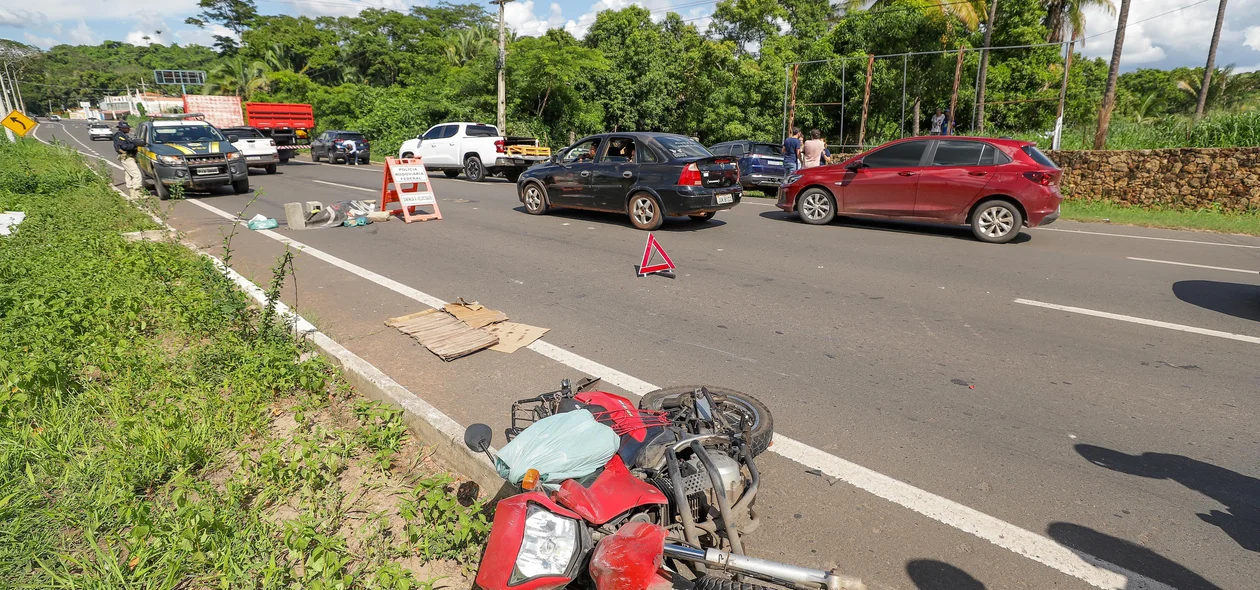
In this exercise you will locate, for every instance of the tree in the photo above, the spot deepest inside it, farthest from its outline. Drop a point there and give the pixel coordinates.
(236, 15)
(1066, 18)
(465, 45)
(238, 76)
(1109, 95)
(1227, 90)
(1211, 62)
(746, 22)
(967, 12)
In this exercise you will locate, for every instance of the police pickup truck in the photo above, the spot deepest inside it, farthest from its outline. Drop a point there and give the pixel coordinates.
(185, 150)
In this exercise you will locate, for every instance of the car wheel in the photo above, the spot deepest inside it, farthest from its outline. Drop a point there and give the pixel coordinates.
(451, 173)
(314, 156)
(284, 159)
(996, 222)
(473, 170)
(703, 216)
(535, 200)
(160, 189)
(241, 186)
(512, 175)
(271, 168)
(645, 212)
(407, 155)
(816, 206)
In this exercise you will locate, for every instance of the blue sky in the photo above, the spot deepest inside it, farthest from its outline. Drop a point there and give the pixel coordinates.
(1177, 39)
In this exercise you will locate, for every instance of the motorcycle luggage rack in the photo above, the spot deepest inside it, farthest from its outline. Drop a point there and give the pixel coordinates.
(530, 410)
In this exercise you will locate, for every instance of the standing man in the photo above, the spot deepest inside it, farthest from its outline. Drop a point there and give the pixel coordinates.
(126, 148)
(938, 122)
(792, 152)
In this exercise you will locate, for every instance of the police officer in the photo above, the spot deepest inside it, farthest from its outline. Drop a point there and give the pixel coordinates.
(126, 148)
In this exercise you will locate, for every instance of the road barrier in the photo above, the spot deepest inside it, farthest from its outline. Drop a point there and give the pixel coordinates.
(401, 185)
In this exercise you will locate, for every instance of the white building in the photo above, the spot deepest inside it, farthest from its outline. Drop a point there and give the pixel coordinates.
(114, 107)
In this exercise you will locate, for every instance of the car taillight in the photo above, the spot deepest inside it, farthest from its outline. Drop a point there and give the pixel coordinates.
(499, 145)
(271, 142)
(690, 176)
(1042, 178)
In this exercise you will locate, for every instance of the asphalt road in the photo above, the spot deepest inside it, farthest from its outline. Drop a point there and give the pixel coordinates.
(1082, 386)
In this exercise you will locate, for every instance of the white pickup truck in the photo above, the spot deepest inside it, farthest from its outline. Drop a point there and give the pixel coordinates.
(476, 149)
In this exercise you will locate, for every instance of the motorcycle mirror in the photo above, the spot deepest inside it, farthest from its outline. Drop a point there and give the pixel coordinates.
(477, 437)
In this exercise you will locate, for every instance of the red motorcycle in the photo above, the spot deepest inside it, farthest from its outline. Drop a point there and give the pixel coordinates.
(667, 510)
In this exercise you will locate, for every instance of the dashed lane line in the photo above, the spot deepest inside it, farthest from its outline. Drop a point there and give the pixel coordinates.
(1095, 233)
(1142, 321)
(1043, 550)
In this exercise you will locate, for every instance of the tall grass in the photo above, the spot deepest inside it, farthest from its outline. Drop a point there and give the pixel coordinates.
(1214, 131)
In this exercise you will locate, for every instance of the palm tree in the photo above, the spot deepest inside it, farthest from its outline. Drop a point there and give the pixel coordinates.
(465, 45)
(238, 76)
(1211, 63)
(967, 12)
(1226, 90)
(1145, 110)
(1066, 18)
(1109, 95)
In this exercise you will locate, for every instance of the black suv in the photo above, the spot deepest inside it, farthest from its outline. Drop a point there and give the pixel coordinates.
(330, 145)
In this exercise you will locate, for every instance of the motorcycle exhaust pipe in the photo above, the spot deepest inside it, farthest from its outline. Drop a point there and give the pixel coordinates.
(765, 569)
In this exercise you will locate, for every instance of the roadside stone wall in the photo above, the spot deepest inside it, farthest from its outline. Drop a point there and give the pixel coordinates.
(1184, 179)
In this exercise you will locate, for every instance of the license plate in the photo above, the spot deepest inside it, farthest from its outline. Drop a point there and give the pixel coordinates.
(253, 158)
(725, 198)
(207, 171)
(775, 162)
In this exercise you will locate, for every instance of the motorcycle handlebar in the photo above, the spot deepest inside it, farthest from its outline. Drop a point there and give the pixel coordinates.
(764, 568)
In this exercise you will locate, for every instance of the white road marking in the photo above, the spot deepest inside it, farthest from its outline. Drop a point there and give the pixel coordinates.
(1254, 272)
(1143, 321)
(1095, 233)
(1087, 568)
(357, 188)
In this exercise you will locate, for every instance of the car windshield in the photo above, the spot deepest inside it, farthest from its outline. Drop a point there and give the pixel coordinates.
(682, 147)
(186, 133)
(244, 133)
(767, 149)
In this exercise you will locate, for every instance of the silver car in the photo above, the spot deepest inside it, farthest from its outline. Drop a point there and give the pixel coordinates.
(99, 131)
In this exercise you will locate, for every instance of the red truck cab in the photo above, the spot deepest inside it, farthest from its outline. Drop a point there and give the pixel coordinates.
(289, 124)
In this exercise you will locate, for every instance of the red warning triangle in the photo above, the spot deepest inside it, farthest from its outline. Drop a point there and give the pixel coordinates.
(666, 266)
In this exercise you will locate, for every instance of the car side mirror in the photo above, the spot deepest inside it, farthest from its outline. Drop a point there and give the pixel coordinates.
(233, 139)
(477, 438)
(854, 165)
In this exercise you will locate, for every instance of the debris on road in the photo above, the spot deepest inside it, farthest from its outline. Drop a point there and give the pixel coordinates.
(10, 219)
(261, 222)
(474, 314)
(443, 334)
(513, 336)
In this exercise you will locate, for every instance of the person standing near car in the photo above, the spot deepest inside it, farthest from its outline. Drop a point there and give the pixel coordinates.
(813, 149)
(792, 152)
(126, 148)
(938, 122)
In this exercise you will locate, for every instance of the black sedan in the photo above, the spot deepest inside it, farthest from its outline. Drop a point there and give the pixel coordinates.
(647, 176)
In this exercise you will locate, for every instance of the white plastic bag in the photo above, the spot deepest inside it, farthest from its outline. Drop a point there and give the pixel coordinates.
(570, 445)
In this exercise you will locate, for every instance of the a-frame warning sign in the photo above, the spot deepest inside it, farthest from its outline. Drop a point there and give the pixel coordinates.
(666, 267)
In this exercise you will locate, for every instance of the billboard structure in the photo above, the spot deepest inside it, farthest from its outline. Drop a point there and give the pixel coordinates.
(181, 78)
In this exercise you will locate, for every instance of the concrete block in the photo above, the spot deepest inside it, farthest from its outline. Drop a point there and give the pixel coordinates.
(294, 216)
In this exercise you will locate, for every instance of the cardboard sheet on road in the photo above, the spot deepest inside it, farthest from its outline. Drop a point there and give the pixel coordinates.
(474, 314)
(443, 334)
(513, 336)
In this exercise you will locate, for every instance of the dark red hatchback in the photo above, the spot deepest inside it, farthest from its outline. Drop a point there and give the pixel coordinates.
(997, 186)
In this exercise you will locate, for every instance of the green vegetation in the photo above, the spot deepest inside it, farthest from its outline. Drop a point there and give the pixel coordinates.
(1203, 220)
(393, 74)
(157, 430)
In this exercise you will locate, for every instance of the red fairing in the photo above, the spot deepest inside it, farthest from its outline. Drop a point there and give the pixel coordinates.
(506, 535)
(613, 492)
(630, 559)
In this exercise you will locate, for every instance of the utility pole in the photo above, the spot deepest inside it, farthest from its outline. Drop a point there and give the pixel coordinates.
(4, 103)
(1211, 63)
(1109, 96)
(1058, 120)
(984, 67)
(502, 67)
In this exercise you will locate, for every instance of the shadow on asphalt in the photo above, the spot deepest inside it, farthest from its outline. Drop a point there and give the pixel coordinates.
(1128, 555)
(958, 232)
(1240, 494)
(672, 224)
(929, 574)
(1236, 299)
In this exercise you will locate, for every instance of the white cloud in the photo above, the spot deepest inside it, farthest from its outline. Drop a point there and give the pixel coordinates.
(153, 26)
(38, 41)
(1252, 38)
(196, 36)
(17, 18)
(520, 17)
(82, 34)
(1155, 34)
(695, 15)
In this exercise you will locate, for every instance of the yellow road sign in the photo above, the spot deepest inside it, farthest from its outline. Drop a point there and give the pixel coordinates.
(18, 123)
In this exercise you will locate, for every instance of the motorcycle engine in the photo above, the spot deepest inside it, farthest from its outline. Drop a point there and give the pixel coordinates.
(730, 475)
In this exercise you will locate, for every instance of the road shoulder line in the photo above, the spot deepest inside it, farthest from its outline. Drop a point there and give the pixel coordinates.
(1136, 320)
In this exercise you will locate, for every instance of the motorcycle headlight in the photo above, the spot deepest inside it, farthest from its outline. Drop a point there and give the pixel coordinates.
(233, 156)
(171, 160)
(548, 546)
(793, 178)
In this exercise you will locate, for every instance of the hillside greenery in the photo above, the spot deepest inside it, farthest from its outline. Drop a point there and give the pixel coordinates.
(393, 74)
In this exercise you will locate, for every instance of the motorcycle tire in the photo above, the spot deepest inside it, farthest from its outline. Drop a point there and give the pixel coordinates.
(716, 583)
(762, 429)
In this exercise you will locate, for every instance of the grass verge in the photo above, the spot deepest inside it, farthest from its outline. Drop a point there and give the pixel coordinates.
(1202, 220)
(159, 431)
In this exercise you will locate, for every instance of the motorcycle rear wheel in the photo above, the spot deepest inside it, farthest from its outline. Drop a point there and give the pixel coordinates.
(736, 404)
